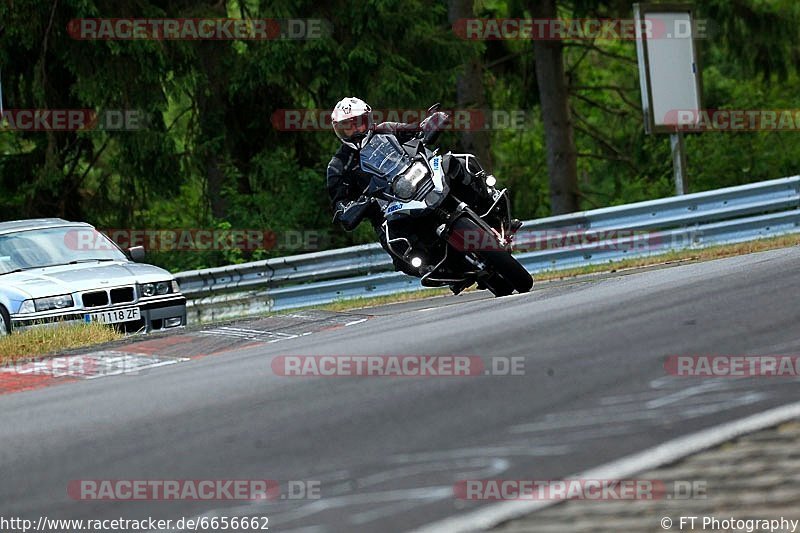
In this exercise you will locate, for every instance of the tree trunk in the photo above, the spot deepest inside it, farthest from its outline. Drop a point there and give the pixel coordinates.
(470, 90)
(211, 106)
(562, 159)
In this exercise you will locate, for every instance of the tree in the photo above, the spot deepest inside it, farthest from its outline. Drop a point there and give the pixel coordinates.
(762, 35)
(470, 89)
(560, 136)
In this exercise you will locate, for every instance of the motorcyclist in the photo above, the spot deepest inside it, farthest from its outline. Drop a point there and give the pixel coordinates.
(346, 182)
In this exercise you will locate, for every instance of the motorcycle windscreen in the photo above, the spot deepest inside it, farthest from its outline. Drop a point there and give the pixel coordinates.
(384, 157)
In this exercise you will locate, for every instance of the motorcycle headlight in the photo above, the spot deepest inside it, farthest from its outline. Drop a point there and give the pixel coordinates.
(53, 302)
(406, 185)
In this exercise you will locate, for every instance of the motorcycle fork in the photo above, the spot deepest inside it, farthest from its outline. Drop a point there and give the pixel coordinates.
(462, 209)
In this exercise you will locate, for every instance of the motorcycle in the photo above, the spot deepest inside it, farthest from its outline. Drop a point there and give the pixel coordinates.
(437, 235)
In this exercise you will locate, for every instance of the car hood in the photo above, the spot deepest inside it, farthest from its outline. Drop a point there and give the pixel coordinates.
(65, 279)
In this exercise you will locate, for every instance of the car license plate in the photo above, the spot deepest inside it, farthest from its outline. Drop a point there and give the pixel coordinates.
(115, 316)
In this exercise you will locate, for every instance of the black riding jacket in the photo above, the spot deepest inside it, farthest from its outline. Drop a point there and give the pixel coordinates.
(345, 179)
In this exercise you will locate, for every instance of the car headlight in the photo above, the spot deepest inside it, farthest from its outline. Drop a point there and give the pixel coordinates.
(158, 288)
(54, 302)
(406, 185)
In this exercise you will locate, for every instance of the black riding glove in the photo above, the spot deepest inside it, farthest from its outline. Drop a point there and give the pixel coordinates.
(351, 214)
(431, 128)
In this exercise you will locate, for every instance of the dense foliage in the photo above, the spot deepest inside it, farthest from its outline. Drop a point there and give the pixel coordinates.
(210, 157)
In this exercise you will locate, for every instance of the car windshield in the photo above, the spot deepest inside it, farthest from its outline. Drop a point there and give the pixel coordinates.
(384, 156)
(55, 246)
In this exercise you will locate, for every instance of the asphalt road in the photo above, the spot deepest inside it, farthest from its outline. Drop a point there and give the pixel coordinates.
(387, 451)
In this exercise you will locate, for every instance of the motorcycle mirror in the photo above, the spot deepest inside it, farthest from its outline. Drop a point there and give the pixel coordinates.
(432, 109)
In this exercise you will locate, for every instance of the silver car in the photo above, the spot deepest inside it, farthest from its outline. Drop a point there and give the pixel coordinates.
(52, 271)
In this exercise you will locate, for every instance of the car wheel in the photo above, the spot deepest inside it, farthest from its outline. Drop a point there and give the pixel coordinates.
(5, 322)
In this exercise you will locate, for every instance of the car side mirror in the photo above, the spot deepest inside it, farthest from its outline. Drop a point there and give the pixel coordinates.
(136, 253)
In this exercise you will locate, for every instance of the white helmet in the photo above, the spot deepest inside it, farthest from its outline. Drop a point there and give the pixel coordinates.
(352, 122)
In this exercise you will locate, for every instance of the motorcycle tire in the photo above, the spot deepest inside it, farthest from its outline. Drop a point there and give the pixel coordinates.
(511, 273)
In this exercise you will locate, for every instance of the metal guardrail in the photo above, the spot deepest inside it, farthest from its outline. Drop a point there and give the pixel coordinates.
(722, 216)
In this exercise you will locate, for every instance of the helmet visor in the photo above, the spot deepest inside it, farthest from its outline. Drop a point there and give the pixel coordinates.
(353, 129)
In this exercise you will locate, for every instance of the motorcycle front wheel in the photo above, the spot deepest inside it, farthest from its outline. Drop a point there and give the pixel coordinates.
(512, 274)
(510, 271)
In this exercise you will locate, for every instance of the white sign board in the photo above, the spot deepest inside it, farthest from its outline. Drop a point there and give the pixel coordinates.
(669, 71)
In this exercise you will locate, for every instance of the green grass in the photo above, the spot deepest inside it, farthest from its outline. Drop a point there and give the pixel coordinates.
(46, 340)
(700, 254)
